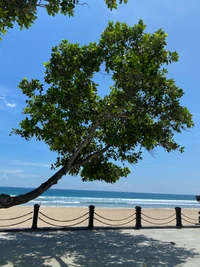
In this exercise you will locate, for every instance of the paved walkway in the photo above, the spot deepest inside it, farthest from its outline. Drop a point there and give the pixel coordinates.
(99, 248)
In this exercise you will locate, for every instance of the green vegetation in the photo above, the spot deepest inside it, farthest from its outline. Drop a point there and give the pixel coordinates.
(97, 136)
(24, 12)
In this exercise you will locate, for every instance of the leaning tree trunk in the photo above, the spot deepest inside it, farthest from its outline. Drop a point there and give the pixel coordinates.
(7, 201)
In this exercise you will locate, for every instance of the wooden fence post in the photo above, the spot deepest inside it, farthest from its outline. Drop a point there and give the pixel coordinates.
(138, 216)
(91, 216)
(178, 217)
(35, 216)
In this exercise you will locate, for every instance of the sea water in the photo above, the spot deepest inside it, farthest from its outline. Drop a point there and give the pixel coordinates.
(105, 199)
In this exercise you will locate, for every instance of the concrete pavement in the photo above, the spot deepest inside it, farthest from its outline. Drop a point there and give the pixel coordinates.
(99, 248)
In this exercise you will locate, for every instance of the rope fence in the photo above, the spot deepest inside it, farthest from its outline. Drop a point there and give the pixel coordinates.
(51, 224)
(94, 219)
(50, 218)
(164, 223)
(115, 225)
(16, 218)
(14, 224)
(158, 219)
(106, 221)
(9, 219)
(63, 221)
(112, 220)
(188, 219)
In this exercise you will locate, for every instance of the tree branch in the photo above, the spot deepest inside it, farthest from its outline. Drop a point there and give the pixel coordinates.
(40, 4)
(84, 143)
(7, 201)
(90, 157)
(108, 116)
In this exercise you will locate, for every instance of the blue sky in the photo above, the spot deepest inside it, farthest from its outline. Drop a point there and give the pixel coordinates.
(22, 53)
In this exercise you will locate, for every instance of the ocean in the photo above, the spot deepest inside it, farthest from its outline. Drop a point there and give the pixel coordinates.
(105, 199)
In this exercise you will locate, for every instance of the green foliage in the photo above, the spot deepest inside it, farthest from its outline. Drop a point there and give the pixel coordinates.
(24, 12)
(102, 170)
(113, 3)
(92, 134)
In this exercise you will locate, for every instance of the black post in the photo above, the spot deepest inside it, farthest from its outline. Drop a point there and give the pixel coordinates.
(138, 210)
(35, 216)
(91, 216)
(178, 217)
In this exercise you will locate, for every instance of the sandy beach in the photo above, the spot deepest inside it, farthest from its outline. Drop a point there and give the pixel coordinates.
(116, 217)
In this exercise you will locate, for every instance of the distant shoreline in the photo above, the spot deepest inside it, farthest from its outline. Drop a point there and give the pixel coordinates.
(98, 190)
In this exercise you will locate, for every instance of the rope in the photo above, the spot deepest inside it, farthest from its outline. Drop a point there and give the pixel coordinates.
(64, 220)
(112, 219)
(188, 217)
(187, 221)
(62, 225)
(158, 223)
(158, 219)
(16, 223)
(16, 217)
(114, 224)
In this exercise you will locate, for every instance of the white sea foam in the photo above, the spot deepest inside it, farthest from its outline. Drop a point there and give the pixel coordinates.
(80, 198)
(111, 202)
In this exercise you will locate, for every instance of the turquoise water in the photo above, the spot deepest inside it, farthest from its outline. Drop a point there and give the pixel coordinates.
(106, 199)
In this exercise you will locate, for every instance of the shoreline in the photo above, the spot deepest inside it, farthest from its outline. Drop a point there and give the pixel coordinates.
(98, 190)
(109, 208)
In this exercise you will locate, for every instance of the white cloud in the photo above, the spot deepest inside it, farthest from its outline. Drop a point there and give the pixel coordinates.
(10, 171)
(4, 176)
(34, 164)
(10, 105)
(23, 175)
(17, 173)
(4, 102)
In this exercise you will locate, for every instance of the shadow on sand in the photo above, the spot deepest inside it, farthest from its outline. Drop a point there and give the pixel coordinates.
(88, 248)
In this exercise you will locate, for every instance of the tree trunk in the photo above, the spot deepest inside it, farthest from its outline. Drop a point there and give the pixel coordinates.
(7, 201)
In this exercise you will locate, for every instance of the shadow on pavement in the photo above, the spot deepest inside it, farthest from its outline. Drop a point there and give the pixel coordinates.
(96, 248)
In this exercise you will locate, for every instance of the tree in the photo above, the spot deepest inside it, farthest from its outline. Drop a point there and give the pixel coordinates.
(95, 136)
(24, 12)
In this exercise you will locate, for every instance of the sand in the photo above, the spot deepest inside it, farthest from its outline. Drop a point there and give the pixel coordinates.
(150, 217)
